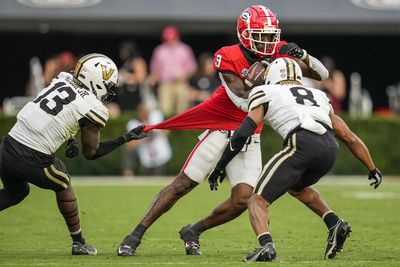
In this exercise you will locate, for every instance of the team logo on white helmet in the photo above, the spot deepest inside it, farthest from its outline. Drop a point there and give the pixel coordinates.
(99, 74)
(283, 70)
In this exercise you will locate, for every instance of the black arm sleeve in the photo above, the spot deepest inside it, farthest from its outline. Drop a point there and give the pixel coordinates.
(237, 142)
(108, 146)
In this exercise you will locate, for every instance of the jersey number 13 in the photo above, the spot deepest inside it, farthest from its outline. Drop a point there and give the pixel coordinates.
(60, 99)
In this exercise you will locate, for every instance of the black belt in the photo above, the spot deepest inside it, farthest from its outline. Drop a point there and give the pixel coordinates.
(298, 128)
(325, 125)
(27, 154)
(248, 141)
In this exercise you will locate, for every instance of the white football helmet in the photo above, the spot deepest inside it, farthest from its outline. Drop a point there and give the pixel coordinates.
(99, 74)
(283, 69)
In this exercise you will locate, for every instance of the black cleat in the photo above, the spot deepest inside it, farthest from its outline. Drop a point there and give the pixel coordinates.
(128, 246)
(191, 240)
(265, 253)
(82, 249)
(336, 237)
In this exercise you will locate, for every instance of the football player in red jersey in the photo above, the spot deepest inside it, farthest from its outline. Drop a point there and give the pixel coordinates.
(259, 35)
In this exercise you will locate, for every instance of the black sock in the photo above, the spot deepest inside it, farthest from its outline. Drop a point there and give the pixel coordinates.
(198, 227)
(264, 239)
(78, 237)
(331, 219)
(139, 231)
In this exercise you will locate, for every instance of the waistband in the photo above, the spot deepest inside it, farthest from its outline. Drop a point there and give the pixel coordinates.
(298, 128)
(254, 138)
(21, 152)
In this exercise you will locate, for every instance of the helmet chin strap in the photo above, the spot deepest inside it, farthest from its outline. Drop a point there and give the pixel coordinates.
(81, 84)
(93, 90)
(109, 96)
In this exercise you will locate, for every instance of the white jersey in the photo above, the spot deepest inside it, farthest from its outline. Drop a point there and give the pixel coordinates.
(45, 123)
(290, 106)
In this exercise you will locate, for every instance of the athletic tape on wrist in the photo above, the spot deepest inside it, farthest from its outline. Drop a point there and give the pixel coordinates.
(304, 54)
(318, 67)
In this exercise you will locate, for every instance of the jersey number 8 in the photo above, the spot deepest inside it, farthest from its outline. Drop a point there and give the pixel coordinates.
(298, 93)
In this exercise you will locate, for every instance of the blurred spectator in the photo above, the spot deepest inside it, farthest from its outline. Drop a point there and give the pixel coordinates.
(36, 80)
(171, 65)
(133, 74)
(11, 106)
(152, 152)
(52, 67)
(67, 61)
(205, 81)
(335, 85)
(393, 93)
(41, 77)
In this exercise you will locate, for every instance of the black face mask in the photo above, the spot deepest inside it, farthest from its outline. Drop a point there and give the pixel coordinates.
(111, 93)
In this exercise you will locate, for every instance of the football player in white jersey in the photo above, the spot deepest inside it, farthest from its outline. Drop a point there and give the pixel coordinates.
(72, 102)
(305, 119)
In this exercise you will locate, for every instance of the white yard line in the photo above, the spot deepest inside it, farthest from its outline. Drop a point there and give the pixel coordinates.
(200, 263)
(164, 180)
(120, 181)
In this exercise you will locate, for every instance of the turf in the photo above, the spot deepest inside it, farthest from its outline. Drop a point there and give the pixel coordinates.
(33, 233)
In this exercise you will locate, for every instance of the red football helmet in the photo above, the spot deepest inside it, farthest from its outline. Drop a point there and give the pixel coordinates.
(258, 30)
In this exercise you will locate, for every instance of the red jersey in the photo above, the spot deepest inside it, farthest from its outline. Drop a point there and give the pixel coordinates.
(234, 59)
(218, 112)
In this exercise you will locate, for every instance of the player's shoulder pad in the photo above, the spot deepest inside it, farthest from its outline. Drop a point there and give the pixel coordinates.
(322, 94)
(64, 76)
(257, 97)
(226, 49)
(96, 112)
(225, 56)
(318, 92)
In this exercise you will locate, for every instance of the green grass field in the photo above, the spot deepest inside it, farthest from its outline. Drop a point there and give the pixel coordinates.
(33, 233)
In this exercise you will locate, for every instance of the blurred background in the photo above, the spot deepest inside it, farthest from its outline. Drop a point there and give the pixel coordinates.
(357, 40)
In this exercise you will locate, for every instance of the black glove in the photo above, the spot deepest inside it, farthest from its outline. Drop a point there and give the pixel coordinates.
(213, 178)
(293, 50)
(72, 148)
(135, 134)
(376, 176)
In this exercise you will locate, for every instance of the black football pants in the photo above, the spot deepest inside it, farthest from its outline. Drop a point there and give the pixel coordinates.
(16, 174)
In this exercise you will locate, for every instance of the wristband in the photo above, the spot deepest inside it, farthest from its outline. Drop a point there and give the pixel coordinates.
(304, 54)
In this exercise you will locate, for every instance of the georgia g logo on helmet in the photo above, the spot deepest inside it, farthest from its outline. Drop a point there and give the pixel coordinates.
(246, 15)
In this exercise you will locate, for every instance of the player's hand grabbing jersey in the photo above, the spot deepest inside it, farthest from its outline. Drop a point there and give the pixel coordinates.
(53, 117)
(289, 106)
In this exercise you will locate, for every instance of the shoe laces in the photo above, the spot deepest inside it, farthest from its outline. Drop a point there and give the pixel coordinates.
(192, 245)
(125, 246)
(256, 250)
(191, 235)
